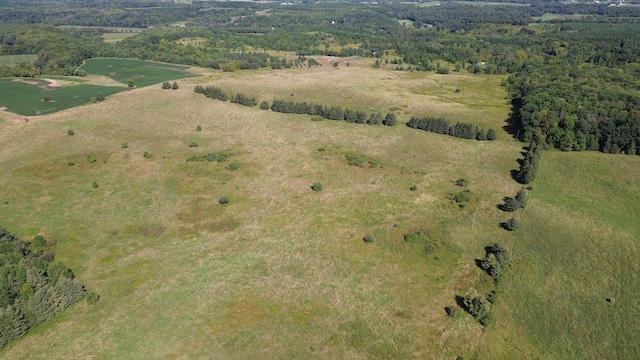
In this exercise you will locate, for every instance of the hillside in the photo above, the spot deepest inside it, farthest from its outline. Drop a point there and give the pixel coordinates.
(281, 271)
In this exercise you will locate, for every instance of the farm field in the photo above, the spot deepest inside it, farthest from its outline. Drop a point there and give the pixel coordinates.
(106, 77)
(143, 73)
(11, 60)
(280, 271)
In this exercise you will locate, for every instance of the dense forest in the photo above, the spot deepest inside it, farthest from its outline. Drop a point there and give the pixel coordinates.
(572, 81)
(33, 288)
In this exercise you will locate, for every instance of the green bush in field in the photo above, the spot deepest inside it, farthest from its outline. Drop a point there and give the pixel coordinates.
(224, 200)
(368, 239)
(70, 132)
(317, 186)
(91, 159)
(511, 224)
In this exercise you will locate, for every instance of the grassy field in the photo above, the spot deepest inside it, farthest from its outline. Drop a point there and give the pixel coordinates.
(576, 247)
(11, 60)
(481, 100)
(281, 271)
(113, 37)
(143, 73)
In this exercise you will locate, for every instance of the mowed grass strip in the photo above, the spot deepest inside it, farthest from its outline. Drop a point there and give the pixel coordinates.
(576, 247)
(143, 73)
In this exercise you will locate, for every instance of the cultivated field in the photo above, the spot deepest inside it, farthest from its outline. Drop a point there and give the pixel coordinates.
(106, 76)
(143, 73)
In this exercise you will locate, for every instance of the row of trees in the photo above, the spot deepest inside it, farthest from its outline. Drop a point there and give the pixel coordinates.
(442, 126)
(530, 164)
(333, 113)
(33, 288)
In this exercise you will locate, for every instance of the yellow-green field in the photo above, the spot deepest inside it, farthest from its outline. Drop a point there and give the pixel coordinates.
(280, 271)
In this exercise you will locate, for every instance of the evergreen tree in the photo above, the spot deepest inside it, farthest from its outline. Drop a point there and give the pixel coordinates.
(491, 134)
(174, 86)
(390, 119)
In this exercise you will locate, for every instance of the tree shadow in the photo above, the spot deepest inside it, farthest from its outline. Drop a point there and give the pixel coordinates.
(513, 124)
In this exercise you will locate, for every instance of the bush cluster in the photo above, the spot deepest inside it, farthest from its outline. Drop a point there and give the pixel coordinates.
(495, 261)
(519, 201)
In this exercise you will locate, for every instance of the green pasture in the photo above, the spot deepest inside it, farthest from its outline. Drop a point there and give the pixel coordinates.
(577, 246)
(11, 60)
(26, 99)
(143, 73)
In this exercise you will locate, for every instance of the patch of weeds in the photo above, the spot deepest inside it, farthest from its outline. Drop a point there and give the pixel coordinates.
(91, 159)
(233, 166)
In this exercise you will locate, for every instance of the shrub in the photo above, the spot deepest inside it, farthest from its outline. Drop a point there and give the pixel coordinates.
(91, 159)
(100, 97)
(368, 239)
(491, 134)
(47, 99)
(463, 197)
(92, 298)
(193, 144)
(413, 188)
(125, 145)
(174, 86)
(71, 163)
(317, 186)
(224, 200)
(70, 132)
(147, 155)
(495, 261)
(264, 105)
(451, 311)
(462, 182)
(166, 85)
(511, 224)
(131, 83)
(233, 166)
(94, 185)
(39, 241)
(477, 308)
(198, 128)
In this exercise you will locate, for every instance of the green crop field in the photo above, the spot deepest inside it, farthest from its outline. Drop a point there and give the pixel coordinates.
(27, 99)
(143, 73)
(11, 60)
(106, 77)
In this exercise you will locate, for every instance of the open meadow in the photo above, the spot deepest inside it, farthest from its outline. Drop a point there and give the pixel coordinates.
(11, 60)
(282, 271)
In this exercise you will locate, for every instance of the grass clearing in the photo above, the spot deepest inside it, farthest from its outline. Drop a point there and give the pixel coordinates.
(11, 60)
(480, 100)
(280, 271)
(114, 37)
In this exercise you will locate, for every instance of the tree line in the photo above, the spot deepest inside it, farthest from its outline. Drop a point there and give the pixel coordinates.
(442, 126)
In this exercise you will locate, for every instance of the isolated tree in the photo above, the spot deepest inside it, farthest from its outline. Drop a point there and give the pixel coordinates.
(100, 97)
(264, 105)
(131, 83)
(390, 119)
(317, 186)
(174, 86)
(166, 85)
